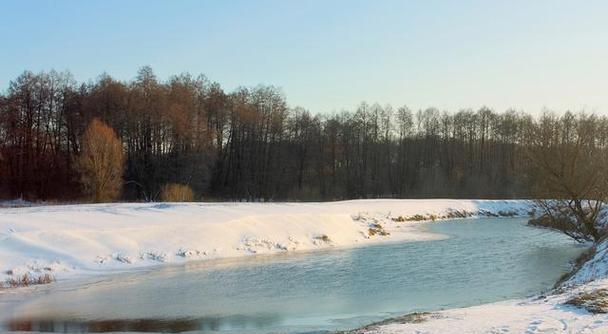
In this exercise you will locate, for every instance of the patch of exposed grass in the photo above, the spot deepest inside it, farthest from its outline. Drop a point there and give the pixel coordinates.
(594, 302)
(376, 229)
(417, 218)
(453, 214)
(27, 280)
(399, 219)
(324, 238)
(457, 214)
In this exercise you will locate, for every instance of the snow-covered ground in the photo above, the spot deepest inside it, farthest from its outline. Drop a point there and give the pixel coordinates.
(68, 240)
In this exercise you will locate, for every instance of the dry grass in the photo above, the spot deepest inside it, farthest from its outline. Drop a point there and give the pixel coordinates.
(174, 192)
(323, 238)
(414, 218)
(594, 302)
(453, 214)
(27, 280)
(376, 229)
(417, 218)
(457, 214)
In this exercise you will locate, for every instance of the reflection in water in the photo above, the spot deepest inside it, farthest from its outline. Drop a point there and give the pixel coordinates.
(143, 325)
(484, 260)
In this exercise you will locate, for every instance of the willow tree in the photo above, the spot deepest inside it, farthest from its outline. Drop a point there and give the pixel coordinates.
(101, 162)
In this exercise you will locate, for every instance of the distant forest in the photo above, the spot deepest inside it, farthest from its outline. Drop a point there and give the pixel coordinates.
(248, 144)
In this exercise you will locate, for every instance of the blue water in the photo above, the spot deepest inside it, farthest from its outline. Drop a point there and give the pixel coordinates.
(483, 260)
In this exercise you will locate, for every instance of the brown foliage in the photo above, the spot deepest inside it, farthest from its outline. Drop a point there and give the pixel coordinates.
(249, 144)
(594, 301)
(174, 192)
(27, 280)
(101, 162)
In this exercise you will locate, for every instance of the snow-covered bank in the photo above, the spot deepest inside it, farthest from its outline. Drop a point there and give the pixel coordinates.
(554, 313)
(550, 314)
(596, 268)
(88, 239)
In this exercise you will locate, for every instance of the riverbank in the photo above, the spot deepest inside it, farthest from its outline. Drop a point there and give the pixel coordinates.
(543, 314)
(65, 241)
(579, 304)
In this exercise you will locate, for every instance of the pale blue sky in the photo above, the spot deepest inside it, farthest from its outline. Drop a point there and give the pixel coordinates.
(330, 55)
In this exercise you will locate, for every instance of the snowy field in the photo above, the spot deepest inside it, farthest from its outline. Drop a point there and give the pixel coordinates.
(75, 240)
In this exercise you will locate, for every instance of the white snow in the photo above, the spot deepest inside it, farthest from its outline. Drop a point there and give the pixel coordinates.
(538, 315)
(70, 240)
(594, 269)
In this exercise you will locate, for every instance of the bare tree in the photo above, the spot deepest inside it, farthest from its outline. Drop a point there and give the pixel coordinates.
(249, 144)
(569, 169)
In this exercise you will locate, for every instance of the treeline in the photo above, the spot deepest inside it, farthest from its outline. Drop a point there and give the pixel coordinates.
(248, 144)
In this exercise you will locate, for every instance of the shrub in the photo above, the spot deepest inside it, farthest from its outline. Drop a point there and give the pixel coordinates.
(174, 192)
(27, 280)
